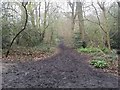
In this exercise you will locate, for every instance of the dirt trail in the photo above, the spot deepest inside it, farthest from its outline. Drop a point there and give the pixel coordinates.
(66, 69)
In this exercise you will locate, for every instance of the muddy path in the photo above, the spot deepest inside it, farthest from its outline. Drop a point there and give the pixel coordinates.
(66, 69)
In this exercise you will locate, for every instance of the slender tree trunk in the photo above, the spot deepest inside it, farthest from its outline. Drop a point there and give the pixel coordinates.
(118, 46)
(26, 19)
(45, 21)
(72, 6)
(106, 28)
(73, 20)
(39, 14)
(51, 37)
(36, 17)
(73, 16)
(80, 19)
(118, 35)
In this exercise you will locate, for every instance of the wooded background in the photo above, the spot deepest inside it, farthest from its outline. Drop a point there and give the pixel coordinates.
(80, 23)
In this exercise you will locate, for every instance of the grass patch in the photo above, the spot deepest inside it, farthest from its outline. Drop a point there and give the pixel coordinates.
(101, 57)
(93, 50)
(99, 63)
(88, 50)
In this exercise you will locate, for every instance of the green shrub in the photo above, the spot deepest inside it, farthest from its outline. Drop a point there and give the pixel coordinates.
(77, 40)
(78, 43)
(93, 62)
(99, 63)
(105, 50)
(88, 50)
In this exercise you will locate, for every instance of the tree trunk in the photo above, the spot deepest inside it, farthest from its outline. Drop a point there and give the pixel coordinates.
(26, 19)
(45, 20)
(73, 15)
(106, 28)
(80, 19)
(39, 14)
(73, 20)
(118, 35)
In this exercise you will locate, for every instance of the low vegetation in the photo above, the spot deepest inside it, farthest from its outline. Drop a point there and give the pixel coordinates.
(101, 57)
(99, 63)
(24, 54)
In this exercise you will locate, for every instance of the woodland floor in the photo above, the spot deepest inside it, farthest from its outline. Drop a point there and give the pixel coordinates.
(65, 69)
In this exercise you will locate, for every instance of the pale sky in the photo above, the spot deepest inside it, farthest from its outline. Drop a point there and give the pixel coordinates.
(60, 0)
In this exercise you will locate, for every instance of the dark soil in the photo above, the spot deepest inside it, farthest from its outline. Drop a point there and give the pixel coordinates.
(66, 69)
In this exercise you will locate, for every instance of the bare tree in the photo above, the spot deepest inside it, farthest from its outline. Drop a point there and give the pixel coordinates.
(104, 25)
(106, 29)
(24, 27)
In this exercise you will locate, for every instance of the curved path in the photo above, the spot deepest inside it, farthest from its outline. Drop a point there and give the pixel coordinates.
(66, 69)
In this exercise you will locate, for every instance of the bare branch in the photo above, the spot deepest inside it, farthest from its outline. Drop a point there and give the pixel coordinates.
(111, 13)
(101, 5)
(11, 9)
(70, 4)
(118, 4)
(114, 34)
(98, 18)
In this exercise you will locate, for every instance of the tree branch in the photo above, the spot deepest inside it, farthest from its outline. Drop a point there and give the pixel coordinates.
(118, 4)
(98, 18)
(111, 13)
